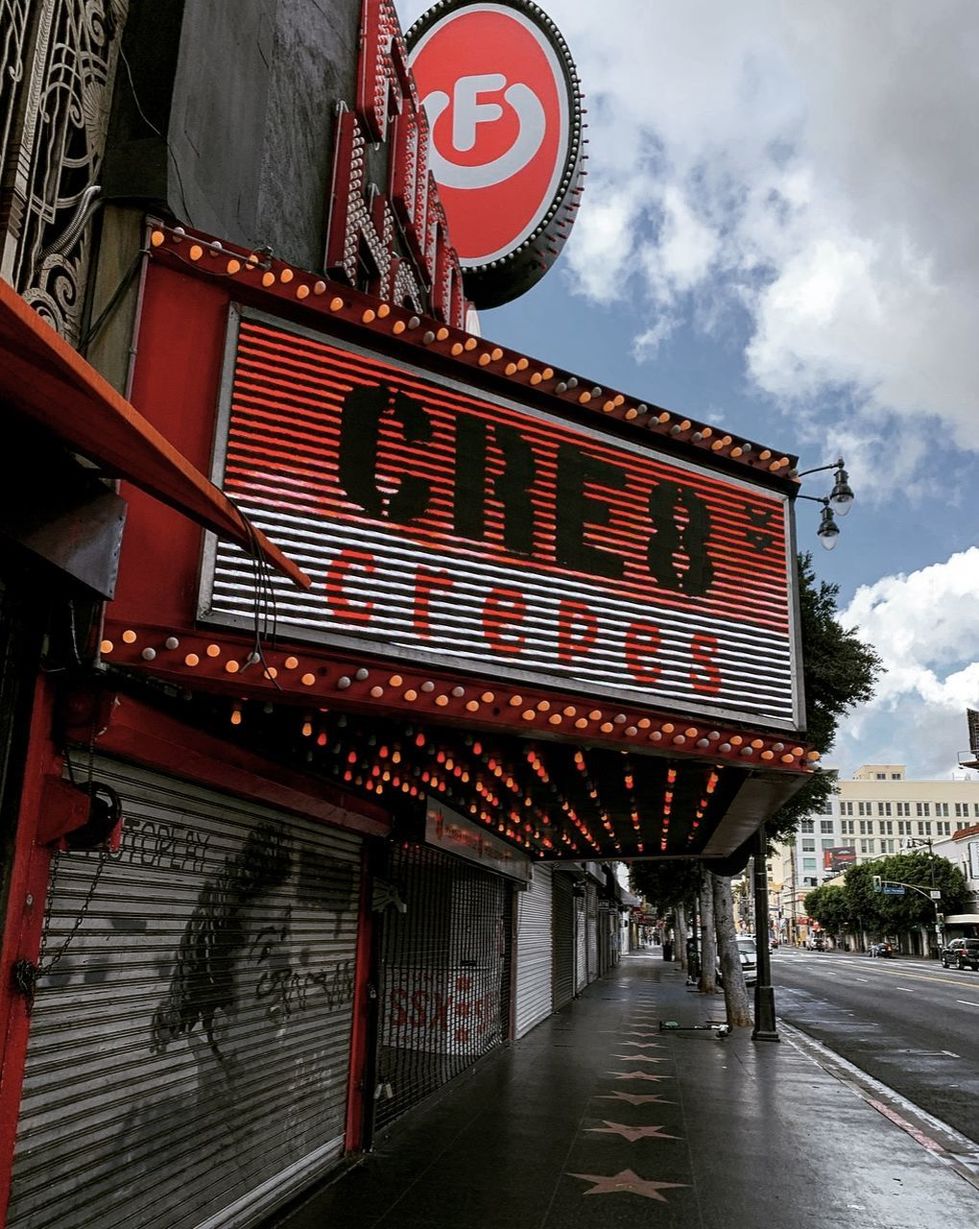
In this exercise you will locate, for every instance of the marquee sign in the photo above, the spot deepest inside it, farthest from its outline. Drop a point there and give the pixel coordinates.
(448, 526)
(501, 96)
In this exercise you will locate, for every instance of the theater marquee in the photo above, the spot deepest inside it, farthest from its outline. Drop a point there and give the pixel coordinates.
(493, 538)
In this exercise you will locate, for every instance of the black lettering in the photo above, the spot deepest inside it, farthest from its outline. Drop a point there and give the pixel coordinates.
(360, 433)
(510, 488)
(677, 552)
(575, 511)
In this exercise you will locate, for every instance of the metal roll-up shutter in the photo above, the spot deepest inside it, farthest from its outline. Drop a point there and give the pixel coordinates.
(445, 975)
(563, 933)
(580, 943)
(189, 1047)
(534, 945)
(591, 924)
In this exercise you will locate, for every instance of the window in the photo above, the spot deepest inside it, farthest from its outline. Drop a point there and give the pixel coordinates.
(864, 808)
(846, 808)
(895, 776)
(880, 776)
(866, 847)
(975, 808)
(922, 808)
(827, 807)
(944, 828)
(825, 825)
(866, 827)
(924, 829)
(808, 845)
(903, 808)
(846, 827)
(904, 827)
(887, 847)
(807, 825)
(883, 808)
(809, 865)
(961, 809)
(941, 808)
(885, 827)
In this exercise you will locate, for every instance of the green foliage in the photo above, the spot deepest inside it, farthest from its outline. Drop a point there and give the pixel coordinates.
(895, 914)
(665, 884)
(839, 672)
(831, 907)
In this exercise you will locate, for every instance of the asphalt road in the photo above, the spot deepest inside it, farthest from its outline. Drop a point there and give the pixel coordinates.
(909, 1023)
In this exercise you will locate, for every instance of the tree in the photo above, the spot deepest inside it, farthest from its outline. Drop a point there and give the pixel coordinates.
(900, 914)
(736, 1003)
(839, 671)
(832, 907)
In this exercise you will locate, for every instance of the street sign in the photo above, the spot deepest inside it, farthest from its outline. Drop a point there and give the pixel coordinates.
(892, 889)
(935, 894)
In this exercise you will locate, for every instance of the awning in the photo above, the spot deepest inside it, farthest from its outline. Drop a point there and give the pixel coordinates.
(43, 378)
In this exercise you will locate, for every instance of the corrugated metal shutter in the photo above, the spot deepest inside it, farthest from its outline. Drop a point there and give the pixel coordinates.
(534, 973)
(580, 944)
(563, 930)
(188, 1055)
(444, 975)
(591, 921)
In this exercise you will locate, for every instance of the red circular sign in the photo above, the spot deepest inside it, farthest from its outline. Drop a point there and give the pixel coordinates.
(499, 90)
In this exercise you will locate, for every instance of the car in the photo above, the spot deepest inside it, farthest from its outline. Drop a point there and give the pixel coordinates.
(816, 943)
(748, 954)
(880, 949)
(962, 953)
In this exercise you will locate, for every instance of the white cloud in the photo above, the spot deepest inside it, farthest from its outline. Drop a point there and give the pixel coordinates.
(923, 625)
(817, 163)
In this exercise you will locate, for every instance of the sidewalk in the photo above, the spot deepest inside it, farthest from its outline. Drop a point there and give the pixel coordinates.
(596, 1120)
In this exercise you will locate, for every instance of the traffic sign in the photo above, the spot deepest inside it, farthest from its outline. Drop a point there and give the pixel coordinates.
(892, 889)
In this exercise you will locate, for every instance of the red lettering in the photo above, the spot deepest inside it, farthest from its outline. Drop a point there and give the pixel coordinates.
(425, 582)
(574, 617)
(399, 1017)
(336, 577)
(502, 608)
(642, 641)
(707, 679)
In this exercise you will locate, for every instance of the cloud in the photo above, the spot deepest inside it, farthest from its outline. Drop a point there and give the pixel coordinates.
(923, 625)
(816, 166)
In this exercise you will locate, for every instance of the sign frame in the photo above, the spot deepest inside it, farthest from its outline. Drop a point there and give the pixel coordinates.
(470, 666)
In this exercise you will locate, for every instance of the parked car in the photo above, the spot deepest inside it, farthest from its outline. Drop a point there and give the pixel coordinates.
(748, 955)
(880, 949)
(816, 943)
(962, 953)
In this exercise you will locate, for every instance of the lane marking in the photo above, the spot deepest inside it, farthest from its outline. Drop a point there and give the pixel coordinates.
(906, 989)
(967, 1003)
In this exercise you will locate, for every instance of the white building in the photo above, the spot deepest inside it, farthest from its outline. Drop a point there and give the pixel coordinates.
(877, 812)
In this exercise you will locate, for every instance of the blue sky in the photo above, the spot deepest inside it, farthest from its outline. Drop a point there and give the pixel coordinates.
(779, 234)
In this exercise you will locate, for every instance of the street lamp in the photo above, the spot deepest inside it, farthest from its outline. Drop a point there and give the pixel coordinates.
(837, 503)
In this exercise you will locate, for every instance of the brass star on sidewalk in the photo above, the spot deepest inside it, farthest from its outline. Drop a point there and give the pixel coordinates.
(634, 1098)
(638, 1075)
(641, 1058)
(644, 1045)
(631, 1133)
(627, 1182)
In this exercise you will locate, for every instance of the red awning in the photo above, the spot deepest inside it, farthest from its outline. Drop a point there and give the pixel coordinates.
(49, 382)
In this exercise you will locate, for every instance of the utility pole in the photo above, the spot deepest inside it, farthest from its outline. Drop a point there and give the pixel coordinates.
(764, 1029)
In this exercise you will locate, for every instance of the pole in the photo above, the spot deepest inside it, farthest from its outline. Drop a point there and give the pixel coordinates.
(764, 1029)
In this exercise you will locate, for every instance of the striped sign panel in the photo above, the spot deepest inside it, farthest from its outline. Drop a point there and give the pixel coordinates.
(451, 527)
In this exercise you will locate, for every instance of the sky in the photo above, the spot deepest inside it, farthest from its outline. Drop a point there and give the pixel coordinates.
(779, 235)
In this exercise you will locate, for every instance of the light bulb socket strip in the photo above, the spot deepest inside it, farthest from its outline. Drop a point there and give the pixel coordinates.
(263, 281)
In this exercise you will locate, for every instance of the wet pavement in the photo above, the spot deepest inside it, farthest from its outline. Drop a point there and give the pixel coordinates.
(598, 1120)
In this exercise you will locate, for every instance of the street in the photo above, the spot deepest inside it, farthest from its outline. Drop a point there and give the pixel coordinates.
(907, 1022)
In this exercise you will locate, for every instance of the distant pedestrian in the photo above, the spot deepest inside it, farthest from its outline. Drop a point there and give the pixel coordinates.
(667, 949)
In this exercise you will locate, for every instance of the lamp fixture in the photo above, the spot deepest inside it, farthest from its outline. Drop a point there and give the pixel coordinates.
(839, 501)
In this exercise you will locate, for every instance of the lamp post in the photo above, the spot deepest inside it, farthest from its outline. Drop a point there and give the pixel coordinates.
(925, 842)
(837, 503)
(765, 1028)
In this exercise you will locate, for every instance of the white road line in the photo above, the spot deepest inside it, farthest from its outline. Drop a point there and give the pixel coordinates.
(906, 989)
(967, 1003)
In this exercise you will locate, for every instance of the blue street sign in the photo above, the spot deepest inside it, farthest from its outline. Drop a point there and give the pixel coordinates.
(892, 889)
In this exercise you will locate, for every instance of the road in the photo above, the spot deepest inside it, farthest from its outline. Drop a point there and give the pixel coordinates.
(909, 1023)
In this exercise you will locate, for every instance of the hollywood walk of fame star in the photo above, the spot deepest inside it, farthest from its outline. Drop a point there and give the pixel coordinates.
(638, 1075)
(627, 1182)
(644, 1045)
(641, 1058)
(630, 1133)
(634, 1098)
